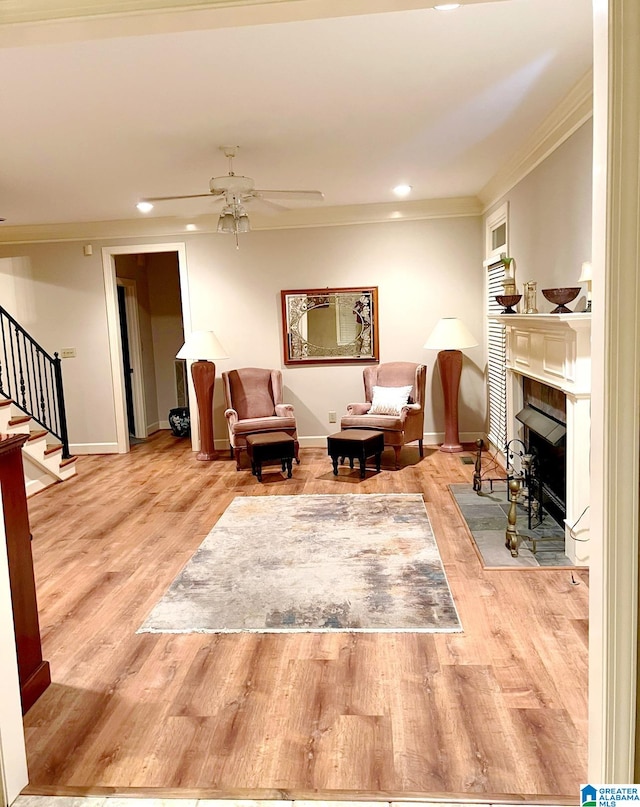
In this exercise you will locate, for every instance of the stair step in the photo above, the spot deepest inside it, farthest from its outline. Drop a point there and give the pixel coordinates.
(18, 420)
(67, 461)
(36, 435)
(5, 402)
(52, 450)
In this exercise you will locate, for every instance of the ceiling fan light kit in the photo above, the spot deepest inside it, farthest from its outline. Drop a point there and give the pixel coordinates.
(235, 191)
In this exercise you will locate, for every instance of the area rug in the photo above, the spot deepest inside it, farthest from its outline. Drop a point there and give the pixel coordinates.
(486, 518)
(313, 563)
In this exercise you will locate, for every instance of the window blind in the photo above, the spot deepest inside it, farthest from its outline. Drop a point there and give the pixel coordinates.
(496, 360)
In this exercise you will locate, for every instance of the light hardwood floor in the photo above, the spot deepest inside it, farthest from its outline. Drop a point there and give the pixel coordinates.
(500, 709)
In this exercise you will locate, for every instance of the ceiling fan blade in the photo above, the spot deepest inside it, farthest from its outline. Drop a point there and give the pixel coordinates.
(265, 203)
(170, 198)
(281, 194)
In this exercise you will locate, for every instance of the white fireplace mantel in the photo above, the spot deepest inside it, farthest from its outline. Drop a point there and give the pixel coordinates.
(555, 349)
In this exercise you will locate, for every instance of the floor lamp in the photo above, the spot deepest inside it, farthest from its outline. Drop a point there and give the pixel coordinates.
(450, 337)
(202, 347)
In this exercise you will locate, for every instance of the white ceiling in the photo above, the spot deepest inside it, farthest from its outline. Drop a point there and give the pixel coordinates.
(350, 106)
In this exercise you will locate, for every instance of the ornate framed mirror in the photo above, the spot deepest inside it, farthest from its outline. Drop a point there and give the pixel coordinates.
(330, 326)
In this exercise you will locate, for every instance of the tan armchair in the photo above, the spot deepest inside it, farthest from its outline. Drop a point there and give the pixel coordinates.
(254, 404)
(399, 429)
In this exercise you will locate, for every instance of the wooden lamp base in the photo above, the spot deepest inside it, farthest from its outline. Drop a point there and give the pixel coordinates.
(203, 373)
(450, 366)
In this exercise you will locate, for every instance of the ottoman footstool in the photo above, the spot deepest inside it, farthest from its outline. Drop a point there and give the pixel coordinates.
(269, 447)
(355, 444)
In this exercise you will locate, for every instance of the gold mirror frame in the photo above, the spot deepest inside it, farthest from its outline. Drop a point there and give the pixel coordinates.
(330, 326)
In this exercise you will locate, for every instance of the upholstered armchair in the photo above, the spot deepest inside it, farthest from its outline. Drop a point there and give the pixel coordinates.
(254, 404)
(401, 423)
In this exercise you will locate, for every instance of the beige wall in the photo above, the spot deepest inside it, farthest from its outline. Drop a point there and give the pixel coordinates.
(550, 219)
(63, 305)
(424, 270)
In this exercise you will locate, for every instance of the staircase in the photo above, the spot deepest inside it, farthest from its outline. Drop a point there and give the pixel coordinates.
(41, 454)
(32, 402)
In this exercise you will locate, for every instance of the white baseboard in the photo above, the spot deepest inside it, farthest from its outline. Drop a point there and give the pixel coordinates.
(429, 439)
(157, 426)
(320, 440)
(93, 448)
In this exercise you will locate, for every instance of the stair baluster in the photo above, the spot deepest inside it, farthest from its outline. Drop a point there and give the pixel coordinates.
(32, 379)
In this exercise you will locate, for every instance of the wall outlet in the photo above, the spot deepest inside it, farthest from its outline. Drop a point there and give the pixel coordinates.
(332, 417)
(68, 353)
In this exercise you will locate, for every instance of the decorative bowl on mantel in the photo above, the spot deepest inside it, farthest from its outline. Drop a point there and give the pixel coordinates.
(560, 297)
(508, 300)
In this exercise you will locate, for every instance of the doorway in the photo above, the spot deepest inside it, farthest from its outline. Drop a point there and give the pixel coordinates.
(148, 314)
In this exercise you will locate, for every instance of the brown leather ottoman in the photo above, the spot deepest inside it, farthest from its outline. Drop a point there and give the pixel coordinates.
(355, 444)
(268, 447)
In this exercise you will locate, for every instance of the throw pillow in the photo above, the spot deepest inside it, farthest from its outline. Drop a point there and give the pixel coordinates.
(389, 400)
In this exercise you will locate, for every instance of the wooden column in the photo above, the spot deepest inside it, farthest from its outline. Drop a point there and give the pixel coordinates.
(32, 670)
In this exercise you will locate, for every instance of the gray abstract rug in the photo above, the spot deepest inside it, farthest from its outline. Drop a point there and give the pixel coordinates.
(312, 563)
(486, 518)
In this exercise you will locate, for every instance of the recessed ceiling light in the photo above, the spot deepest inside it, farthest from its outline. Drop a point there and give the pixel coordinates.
(144, 207)
(191, 227)
(402, 190)
(447, 6)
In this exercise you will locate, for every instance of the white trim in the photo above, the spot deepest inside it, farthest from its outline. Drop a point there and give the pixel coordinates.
(228, 13)
(93, 448)
(113, 324)
(615, 455)
(135, 354)
(389, 212)
(494, 220)
(575, 109)
(13, 755)
(429, 438)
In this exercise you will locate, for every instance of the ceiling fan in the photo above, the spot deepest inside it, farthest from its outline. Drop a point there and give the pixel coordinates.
(235, 191)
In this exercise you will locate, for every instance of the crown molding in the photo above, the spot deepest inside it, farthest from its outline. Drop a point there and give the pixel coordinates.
(145, 227)
(575, 109)
(38, 22)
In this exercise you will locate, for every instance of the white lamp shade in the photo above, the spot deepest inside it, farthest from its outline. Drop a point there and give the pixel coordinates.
(202, 345)
(587, 272)
(450, 334)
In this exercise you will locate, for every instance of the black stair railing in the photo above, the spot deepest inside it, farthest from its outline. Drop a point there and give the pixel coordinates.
(32, 379)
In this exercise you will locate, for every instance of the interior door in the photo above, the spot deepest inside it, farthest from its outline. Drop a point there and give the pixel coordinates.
(126, 360)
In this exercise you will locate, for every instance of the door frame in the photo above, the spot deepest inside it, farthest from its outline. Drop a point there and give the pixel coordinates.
(135, 354)
(615, 419)
(113, 325)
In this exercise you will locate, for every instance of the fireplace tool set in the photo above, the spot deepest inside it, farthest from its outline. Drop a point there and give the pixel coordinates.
(524, 487)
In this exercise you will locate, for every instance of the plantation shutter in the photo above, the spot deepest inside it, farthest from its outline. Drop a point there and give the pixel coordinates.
(496, 361)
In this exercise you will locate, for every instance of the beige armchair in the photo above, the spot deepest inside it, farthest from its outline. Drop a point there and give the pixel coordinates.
(254, 404)
(408, 424)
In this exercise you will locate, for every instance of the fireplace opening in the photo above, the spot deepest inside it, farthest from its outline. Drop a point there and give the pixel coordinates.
(545, 420)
